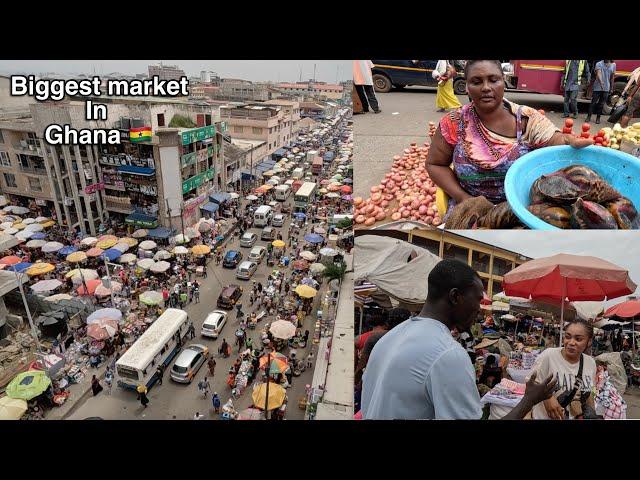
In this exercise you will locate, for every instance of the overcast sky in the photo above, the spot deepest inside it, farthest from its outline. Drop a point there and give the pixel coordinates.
(621, 247)
(256, 70)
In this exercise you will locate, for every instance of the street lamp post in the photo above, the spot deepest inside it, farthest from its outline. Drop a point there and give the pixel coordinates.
(34, 332)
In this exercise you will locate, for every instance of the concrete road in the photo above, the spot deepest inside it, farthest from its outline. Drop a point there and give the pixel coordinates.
(404, 119)
(172, 400)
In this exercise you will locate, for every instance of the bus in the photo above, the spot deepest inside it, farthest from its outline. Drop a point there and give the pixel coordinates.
(157, 346)
(305, 195)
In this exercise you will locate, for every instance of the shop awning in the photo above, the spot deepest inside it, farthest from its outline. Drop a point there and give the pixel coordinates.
(160, 232)
(136, 170)
(210, 207)
(142, 220)
(220, 197)
(246, 175)
(280, 152)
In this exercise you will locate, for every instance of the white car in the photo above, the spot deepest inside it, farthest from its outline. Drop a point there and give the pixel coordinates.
(277, 220)
(257, 253)
(213, 324)
(246, 269)
(248, 239)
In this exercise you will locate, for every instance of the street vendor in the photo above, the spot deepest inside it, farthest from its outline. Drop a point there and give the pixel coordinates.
(485, 137)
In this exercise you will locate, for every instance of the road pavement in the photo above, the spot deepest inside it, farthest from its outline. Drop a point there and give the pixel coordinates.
(172, 400)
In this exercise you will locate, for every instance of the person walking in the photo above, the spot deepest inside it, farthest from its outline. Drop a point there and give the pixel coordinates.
(96, 388)
(160, 373)
(633, 100)
(363, 83)
(224, 348)
(196, 294)
(605, 71)
(142, 396)
(191, 331)
(198, 416)
(445, 96)
(574, 72)
(212, 366)
(215, 400)
(204, 386)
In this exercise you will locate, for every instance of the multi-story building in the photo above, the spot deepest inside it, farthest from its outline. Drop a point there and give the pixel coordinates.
(266, 122)
(290, 125)
(166, 72)
(491, 262)
(236, 90)
(317, 89)
(249, 154)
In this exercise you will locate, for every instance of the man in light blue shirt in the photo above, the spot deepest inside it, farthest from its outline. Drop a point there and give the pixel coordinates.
(605, 71)
(418, 371)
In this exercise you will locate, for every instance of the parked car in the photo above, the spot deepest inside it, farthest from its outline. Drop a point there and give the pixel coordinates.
(248, 239)
(278, 220)
(189, 362)
(212, 325)
(246, 270)
(268, 233)
(232, 259)
(229, 296)
(257, 254)
(398, 74)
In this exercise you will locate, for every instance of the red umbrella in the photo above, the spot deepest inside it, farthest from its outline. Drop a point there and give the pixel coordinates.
(300, 265)
(572, 277)
(628, 309)
(345, 189)
(91, 287)
(10, 260)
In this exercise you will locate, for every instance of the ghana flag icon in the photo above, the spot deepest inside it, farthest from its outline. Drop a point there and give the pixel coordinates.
(140, 134)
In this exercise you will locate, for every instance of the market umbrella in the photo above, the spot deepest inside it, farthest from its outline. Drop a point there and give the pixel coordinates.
(20, 210)
(121, 247)
(269, 395)
(89, 241)
(111, 254)
(310, 256)
(283, 329)
(204, 227)
(346, 189)
(35, 243)
(323, 191)
(147, 245)
(24, 235)
(76, 257)
(278, 243)
(628, 309)
(316, 268)
(141, 233)
(48, 224)
(94, 252)
(313, 238)
(508, 316)
(328, 252)
(102, 329)
(105, 244)
(132, 242)
(180, 250)
(180, 238)
(10, 260)
(69, 249)
(300, 215)
(28, 385)
(40, 269)
(151, 298)
(305, 291)
(11, 231)
(300, 265)
(251, 414)
(38, 236)
(80, 273)
(14, 408)
(107, 237)
(333, 188)
(191, 232)
(573, 277)
(162, 255)
(332, 195)
(160, 267)
(324, 182)
(105, 313)
(7, 208)
(278, 363)
(145, 263)
(347, 180)
(102, 291)
(251, 198)
(201, 249)
(42, 219)
(128, 258)
(320, 230)
(91, 286)
(309, 281)
(45, 285)
(34, 228)
(234, 195)
(6, 225)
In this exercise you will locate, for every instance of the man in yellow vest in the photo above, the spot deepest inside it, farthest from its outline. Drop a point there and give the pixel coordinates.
(574, 71)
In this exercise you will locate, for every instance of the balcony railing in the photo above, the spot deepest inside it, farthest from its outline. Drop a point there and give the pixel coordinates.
(34, 170)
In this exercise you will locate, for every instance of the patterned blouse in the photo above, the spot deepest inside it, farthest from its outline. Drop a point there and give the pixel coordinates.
(481, 157)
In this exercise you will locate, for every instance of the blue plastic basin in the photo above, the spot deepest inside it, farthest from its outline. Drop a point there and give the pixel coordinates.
(619, 169)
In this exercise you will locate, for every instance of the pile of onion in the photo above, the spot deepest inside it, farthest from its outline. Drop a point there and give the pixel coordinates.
(405, 192)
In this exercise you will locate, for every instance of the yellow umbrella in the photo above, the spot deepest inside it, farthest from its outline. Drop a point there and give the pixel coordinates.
(76, 257)
(278, 243)
(201, 249)
(12, 408)
(39, 269)
(277, 395)
(48, 224)
(19, 226)
(305, 291)
(108, 243)
(132, 242)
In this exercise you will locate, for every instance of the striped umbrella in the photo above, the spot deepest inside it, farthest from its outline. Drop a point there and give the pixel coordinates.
(278, 362)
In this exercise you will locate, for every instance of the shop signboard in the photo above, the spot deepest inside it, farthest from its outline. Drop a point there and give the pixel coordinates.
(94, 187)
(198, 134)
(197, 180)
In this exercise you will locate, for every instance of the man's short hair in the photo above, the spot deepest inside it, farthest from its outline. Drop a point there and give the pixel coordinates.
(450, 274)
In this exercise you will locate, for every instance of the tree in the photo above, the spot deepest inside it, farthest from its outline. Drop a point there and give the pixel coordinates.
(335, 271)
(345, 224)
(180, 121)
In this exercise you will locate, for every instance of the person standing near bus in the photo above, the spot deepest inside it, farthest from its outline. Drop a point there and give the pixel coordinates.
(574, 71)
(605, 71)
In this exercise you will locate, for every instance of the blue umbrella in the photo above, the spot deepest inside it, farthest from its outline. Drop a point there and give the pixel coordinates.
(20, 267)
(111, 254)
(299, 215)
(346, 180)
(38, 236)
(69, 249)
(314, 238)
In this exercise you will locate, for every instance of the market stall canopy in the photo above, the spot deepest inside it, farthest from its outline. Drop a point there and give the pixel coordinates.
(160, 267)
(105, 313)
(128, 258)
(59, 297)
(220, 197)
(20, 210)
(313, 238)
(148, 245)
(34, 228)
(162, 255)
(45, 285)
(51, 247)
(320, 231)
(201, 249)
(277, 395)
(35, 243)
(180, 238)
(102, 291)
(68, 250)
(19, 267)
(10, 260)
(107, 237)
(306, 291)
(316, 268)
(145, 263)
(38, 236)
(122, 247)
(300, 265)
(204, 227)
(80, 273)
(278, 243)
(76, 257)
(192, 232)
(628, 309)
(94, 252)
(112, 254)
(397, 268)
(140, 233)
(28, 385)
(105, 244)
(102, 329)
(310, 256)
(328, 252)
(159, 233)
(12, 408)
(151, 298)
(251, 414)
(278, 363)
(89, 241)
(24, 235)
(251, 198)
(180, 250)
(132, 242)
(40, 269)
(91, 286)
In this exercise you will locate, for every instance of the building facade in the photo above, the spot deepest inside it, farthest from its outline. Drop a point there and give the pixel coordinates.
(319, 90)
(166, 72)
